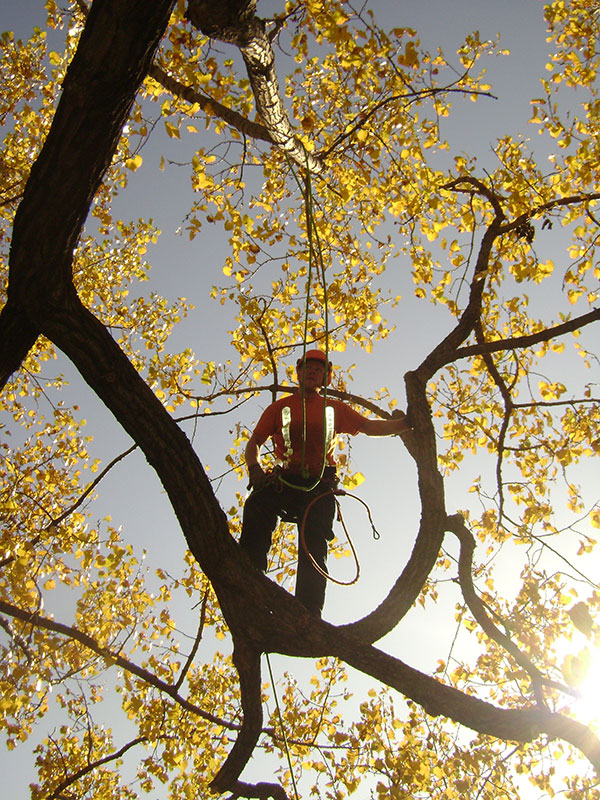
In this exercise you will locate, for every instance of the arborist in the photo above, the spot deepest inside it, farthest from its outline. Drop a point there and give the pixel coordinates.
(303, 427)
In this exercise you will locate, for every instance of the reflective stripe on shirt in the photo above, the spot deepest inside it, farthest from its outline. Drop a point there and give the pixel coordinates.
(286, 418)
(329, 426)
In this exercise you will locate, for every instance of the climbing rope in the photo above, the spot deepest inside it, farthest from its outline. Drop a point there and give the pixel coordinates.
(281, 725)
(315, 249)
(312, 237)
(376, 535)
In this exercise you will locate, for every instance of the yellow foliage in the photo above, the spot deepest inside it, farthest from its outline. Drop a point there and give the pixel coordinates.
(515, 415)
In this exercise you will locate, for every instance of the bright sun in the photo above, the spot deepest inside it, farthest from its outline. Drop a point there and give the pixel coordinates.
(582, 672)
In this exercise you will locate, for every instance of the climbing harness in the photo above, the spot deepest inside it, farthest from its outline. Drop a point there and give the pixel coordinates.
(376, 535)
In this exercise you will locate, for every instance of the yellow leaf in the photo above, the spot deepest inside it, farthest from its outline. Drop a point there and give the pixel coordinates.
(172, 130)
(202, 180)
(134, 162)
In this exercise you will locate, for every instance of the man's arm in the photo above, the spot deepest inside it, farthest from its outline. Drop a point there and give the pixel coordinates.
(256, 475)
(252, 452)
(396, 426)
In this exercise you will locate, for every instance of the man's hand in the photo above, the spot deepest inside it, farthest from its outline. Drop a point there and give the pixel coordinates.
(257, 477)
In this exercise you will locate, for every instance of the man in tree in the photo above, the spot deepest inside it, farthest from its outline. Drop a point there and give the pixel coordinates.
(303, 427)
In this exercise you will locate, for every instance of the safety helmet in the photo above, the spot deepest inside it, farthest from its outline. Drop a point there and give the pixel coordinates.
(316, 355)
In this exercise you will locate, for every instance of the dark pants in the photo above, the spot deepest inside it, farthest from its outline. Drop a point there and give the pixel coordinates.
(263, 510)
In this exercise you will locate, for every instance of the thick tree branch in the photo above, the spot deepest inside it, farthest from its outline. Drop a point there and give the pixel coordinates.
(234, 22)
(424, 450)
(261, 791)
(107, 370)
(114, 53)
(17, 336)
(247, 662)
(254, 130)
(521, 725)
(529, 340)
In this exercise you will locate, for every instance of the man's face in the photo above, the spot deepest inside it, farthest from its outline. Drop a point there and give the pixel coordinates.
(311, 374)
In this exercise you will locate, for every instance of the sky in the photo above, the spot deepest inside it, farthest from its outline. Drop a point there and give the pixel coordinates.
(184, 268)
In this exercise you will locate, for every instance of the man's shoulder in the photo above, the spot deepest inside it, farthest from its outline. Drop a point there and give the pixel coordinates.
(285, 400)
(268, 419)
(347, 416)
(338, 404)
(276, 405)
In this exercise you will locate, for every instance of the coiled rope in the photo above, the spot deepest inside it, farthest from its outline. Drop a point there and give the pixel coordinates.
(376, 535)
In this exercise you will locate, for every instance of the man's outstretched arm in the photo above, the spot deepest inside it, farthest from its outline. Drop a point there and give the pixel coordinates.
(396, 426)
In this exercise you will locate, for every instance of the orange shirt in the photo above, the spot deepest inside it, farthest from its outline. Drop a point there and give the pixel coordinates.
(287, 437)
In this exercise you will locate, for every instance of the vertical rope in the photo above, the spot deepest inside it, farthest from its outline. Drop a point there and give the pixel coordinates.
(311, 229)
(309, 225)
(283, 735)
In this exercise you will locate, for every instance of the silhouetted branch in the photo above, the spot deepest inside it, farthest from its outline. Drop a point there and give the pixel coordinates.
(247, 662)
(45, 623)
(520, 342)
(457, 525)
(58, 791)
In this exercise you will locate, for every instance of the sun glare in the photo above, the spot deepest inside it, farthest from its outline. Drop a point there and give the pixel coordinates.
(582, 673)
